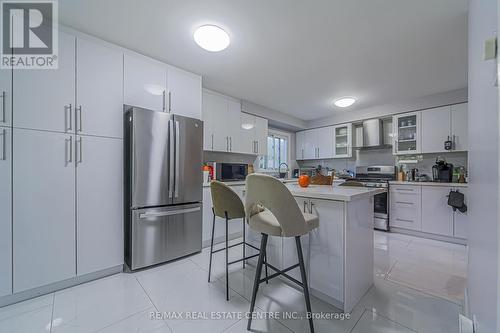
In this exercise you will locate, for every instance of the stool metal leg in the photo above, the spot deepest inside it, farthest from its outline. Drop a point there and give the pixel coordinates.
(258, 272)
(244, 242)
(304, 282)
(265, 262)
(227, 257)
(211, 247)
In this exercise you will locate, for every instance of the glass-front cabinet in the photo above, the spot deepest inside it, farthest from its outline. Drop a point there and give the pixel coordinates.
(342, 141)
(406, 134)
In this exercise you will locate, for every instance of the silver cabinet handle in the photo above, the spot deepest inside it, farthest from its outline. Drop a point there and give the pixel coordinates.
(4, 145)
(405, 203)
(79, 110)
(230, 143)
(169, 213)
(80, 151)
(171, 154)
(403, 220)
(69, 108)
(302, 153)
(169, 101)
(305, 205)
(212, 141)
(177, 158)
(257, 144)
(227, 143)
(311, 207)
(69, 149)
(2, 96)
(163, 101)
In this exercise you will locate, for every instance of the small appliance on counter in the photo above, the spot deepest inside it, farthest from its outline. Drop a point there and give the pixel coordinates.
(442, 172)
(309, 171)
(296, 173)
(227, 172)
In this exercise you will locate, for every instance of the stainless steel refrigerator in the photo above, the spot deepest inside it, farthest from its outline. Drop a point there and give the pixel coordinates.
(163, 186)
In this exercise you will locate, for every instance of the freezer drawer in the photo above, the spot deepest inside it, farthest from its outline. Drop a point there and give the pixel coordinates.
(165, 233)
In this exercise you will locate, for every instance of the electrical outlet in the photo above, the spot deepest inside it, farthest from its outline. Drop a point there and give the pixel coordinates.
(490, 49)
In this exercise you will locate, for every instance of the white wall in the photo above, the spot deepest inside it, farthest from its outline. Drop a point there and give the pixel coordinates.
(483, 170)
(380, 111)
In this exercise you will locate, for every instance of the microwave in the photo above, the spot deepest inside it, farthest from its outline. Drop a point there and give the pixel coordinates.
(231, 171)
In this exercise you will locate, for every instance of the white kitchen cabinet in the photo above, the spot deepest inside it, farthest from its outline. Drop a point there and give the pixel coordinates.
(99, 90)
(99, 184)
(437, 216)
(327, 249)
(405, 207)
(261, 133)
(253, 134)
(44, 99)
(5, 211)
(324, 142)
(406, 133)
(461, 220)
(145, 83)
(5, 97)
(436, 124)
(184, 93)
(342, 141)
(231, 123)
(300, 140)
(310, 145)
(43, 208)
(459, 128)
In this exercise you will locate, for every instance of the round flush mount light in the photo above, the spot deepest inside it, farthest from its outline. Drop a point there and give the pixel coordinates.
(344, 102)
(211, 38)
(247, 126)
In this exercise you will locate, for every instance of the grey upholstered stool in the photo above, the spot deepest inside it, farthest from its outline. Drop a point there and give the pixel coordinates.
(228, 205)
(272, 210)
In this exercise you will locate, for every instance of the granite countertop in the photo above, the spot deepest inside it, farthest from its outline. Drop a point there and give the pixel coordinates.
(326, 192)
(398, 182)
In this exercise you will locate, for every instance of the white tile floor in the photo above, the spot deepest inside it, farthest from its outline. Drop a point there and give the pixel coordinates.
(409, 272)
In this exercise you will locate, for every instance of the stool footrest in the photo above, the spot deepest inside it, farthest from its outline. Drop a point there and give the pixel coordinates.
(246, 258)
(281, 272)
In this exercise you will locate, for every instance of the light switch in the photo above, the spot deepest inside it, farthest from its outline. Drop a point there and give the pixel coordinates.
(490, 49)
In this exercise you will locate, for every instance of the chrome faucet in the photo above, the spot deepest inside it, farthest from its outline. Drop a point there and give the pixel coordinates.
(283, 174)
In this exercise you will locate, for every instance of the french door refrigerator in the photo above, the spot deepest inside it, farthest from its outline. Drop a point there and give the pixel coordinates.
(163, 186)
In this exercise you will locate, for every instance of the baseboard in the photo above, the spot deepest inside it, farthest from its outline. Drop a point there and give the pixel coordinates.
(429, 236)
(53, 287)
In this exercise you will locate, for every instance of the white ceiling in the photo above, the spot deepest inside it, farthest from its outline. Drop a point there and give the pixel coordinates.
(296, 56)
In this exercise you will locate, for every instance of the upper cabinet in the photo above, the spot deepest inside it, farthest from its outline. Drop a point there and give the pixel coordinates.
(443, 124)
(324, 142)
(185, 91)
(253, 134)
(406, 134)
(5, 97)
(145, 83)
(99, 90)
(342, 141)
(44, 99)
(261, 133)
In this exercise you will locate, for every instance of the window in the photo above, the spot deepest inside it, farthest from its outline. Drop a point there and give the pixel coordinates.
(277, 151)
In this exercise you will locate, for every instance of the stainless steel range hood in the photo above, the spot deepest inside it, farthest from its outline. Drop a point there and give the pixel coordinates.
(373, 135)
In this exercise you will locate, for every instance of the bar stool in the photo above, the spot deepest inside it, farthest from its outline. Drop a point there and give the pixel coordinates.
(228, 205)
(272, 210)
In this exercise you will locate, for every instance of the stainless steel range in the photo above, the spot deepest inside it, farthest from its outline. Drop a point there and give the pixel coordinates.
(378, 176)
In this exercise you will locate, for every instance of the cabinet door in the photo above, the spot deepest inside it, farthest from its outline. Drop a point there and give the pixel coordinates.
(459, 127)
(184, 93)
(261, 133)
(342, 141)
(437, 216)
(99, 94)
(232, 125)
(461, 220)
(407, 133)
(247, 143)
(325, 142)
(436, 124)
(5, 212)
(144, 83)
(5, 97)
(310, 145)
(99, 184)
(327, 249)
(215, 122)
(44, 208)
(300, 138)
(406, 208)
(44, 99)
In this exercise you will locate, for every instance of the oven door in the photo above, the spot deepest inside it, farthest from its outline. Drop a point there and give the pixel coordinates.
(380, 208)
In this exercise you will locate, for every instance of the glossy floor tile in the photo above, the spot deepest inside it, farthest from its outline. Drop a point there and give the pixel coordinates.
(417, 288)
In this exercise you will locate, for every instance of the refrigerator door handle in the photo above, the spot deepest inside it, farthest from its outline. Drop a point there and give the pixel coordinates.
(171, 154)
(177, 158)
(169, 213)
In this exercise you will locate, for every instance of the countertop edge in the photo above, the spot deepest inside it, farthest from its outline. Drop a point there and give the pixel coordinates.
(397, 182)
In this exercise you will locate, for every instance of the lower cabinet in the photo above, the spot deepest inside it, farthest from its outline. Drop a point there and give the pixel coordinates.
(437, 216)
(44, 243)
(405, 207)
(327, 249)
(5, 211)
(99, 183)
(460, 220)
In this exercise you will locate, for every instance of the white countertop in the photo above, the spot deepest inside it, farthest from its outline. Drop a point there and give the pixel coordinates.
(397, 182)
(242, 183)
(340, 193)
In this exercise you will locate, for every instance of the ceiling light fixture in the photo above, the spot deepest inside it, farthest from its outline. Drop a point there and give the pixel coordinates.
(247, 126)
(345, 102)
(211, 38)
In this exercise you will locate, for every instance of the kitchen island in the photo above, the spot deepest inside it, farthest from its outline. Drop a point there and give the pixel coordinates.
(339, 253)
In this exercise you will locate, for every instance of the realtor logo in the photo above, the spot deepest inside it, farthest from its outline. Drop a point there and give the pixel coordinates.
(29, 34)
